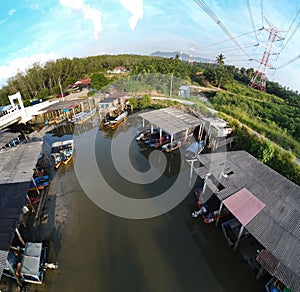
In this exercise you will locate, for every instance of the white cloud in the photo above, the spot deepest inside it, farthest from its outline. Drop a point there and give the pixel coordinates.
(136, 8)
(21, 64)
(11, 11)
(89, 13)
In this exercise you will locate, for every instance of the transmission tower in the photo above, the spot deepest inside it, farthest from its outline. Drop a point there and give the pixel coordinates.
(191, 56)
(258, 79)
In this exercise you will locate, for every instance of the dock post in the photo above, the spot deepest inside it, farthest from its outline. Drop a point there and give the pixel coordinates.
(186, 134)
(219, 213)
(160, 136)
(260, 272)
(238, 239)
(19, 236)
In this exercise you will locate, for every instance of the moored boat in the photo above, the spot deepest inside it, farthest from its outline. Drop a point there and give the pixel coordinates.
(231, 229)
(83, 116)
(56, 154)
(114, 122)
(26, 264)
(67, 151)
(171, 146)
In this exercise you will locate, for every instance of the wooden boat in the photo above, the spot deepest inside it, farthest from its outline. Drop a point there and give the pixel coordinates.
(26, 264)
(231, 229)
(194, 149)
(67, 151)
(56, 154)
(114, 122)
(146, 134)
(160, 141)
(39, 183)
(83, 116)
(208, 215)
(171, 146)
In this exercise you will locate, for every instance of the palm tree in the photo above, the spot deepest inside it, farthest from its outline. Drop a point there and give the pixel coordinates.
(220, 60)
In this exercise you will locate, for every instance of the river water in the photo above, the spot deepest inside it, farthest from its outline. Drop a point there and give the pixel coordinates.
(98, 251)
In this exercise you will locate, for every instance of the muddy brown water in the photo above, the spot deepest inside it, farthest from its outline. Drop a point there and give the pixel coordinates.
(97, 251)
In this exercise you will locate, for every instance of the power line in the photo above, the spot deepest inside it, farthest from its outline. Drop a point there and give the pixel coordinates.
(252, 22)
(289, 62)
(293, 33)
(211, 14)
(227, 40)
(261, 13)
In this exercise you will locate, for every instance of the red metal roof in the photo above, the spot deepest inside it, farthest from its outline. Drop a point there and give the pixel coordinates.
(84, 81)
(244, 205)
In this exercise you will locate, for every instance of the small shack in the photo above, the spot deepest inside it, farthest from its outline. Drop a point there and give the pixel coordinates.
(171, 121)
(266, 204)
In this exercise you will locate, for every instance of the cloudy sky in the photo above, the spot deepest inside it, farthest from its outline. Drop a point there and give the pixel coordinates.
(35, 30)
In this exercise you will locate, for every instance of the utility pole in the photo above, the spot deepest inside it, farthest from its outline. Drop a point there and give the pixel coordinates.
(61, 92)
(171, 85)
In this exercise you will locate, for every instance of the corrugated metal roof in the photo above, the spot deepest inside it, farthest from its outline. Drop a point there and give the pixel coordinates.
(244, 205)
(16, 170)
(6, 137)
(171, 120)
(277, 225)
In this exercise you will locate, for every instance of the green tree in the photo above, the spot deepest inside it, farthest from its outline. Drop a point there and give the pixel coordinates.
(145, 101)
(133, 102)
(98, 81)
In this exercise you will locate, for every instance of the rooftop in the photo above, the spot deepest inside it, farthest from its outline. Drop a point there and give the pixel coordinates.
(171, 120)
(6, 137)
(277, 225)
(16, 169)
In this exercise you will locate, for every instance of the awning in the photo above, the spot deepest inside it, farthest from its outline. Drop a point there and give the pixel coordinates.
(244, 206)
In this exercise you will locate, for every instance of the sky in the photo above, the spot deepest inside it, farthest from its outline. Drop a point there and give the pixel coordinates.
(38, 31)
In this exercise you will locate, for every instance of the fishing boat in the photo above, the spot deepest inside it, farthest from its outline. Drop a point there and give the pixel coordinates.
(26, 264)
(83, 116)
(208, 215)
(146, 134)
(114, 122)
(56, 153)
(194, 149)
(231, 229)
(38, 183)
(171, 146)
(160, 141)
(67, 150)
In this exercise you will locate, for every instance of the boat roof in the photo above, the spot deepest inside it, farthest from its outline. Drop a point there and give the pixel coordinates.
(16, 169)
(66, 142)
(57, 144)
(31, 259)
(171, 120)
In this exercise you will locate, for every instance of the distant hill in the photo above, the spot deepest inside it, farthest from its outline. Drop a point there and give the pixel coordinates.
(185, 57)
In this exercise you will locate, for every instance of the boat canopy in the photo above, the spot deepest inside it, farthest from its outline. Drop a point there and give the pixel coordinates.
(31, 259)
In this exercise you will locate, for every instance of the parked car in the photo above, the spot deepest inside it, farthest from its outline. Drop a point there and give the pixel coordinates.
(63, 94)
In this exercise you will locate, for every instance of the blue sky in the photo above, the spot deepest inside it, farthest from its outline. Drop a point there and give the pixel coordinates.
(34, 30)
